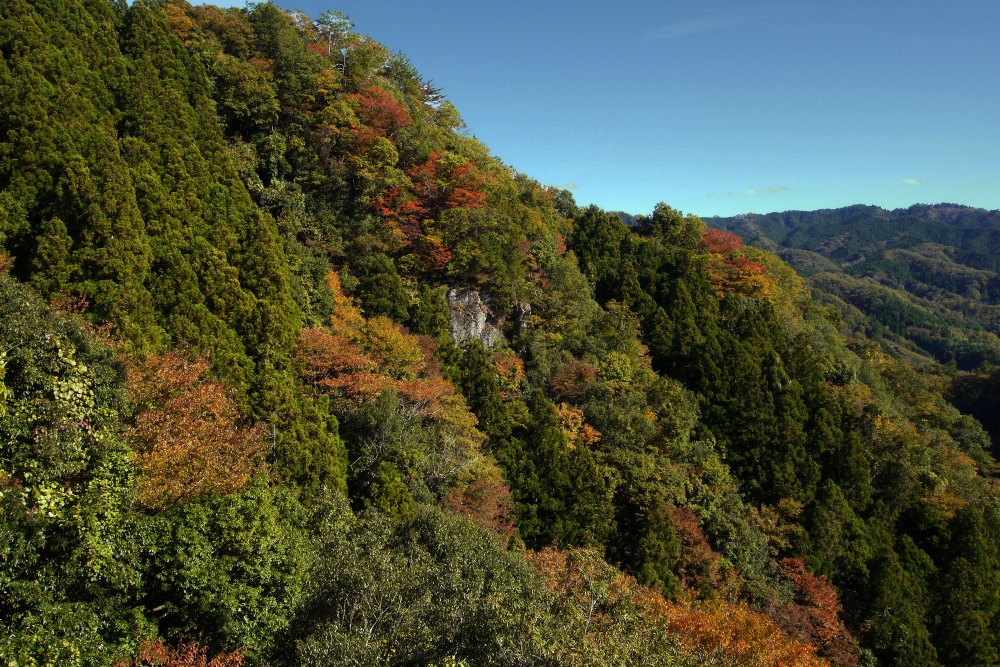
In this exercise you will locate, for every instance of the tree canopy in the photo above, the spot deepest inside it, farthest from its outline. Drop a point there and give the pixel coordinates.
(294, 371)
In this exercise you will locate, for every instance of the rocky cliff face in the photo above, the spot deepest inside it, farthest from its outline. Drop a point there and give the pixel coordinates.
(470, 317)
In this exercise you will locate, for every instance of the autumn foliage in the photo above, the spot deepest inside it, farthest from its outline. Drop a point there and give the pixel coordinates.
(814, 616)
(188, 435)
(380, 114)
(355, 359)
(699, 566)
(185, 654)
(720, 242)
(577, 432)
(679, 402)
(582, 579)
(731, 271)
(734, 633)
(717, 632)
(486, 501)
(571, 379)
(445, 181)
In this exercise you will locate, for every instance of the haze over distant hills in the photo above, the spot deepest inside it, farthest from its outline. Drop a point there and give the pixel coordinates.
(926, 276)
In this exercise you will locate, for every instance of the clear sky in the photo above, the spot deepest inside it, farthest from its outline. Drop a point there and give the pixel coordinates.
(718, 107)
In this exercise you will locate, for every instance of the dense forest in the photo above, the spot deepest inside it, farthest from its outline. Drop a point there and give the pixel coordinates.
(924, 282)
(293, 371)
(925, 279)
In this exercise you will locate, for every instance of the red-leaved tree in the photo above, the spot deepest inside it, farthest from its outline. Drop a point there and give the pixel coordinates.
(446, 181)
(814, 616)
(730, 270)
(699, 566)
(379, 112)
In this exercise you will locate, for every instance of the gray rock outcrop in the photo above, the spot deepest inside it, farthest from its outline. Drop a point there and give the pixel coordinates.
(470, 317)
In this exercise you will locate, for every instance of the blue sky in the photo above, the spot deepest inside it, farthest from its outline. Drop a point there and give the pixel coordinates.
(718, 107)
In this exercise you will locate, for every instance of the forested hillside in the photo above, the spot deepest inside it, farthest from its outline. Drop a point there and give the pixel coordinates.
(294, 372)
(926, 277)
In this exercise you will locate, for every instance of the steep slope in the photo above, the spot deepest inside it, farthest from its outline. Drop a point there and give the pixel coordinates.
(256, 421)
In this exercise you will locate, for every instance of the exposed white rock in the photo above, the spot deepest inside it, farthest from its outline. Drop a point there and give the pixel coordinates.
(470, 317)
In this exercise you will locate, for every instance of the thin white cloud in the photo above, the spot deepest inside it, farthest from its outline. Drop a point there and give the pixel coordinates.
(702, 25)
(911, 181)
(753, 192)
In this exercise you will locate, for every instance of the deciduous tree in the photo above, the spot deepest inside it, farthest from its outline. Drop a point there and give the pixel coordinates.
(188, 435)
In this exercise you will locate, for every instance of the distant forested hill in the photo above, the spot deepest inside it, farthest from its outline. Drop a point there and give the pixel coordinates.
(926, 277)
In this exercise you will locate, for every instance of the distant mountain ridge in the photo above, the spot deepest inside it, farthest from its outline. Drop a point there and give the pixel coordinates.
(844, 233)
(925, 277)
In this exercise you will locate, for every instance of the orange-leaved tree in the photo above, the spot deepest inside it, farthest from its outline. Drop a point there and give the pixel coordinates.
(700, 568)
(625, 621)
(735, 633)
(188, 434)
(486, 500)
(356, 361)
(185, 654)
(576, 430)
(595, 601)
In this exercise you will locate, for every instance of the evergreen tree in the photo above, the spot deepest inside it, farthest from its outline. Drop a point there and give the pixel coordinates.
(380, 288)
